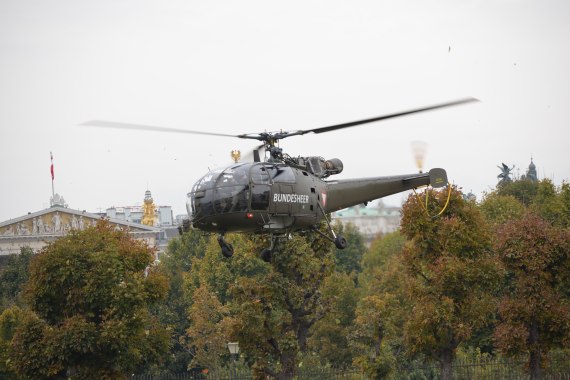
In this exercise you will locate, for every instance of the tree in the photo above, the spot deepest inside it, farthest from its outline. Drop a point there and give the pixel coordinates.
(207, 335)
(348, 260)
(373, 326)
(15, 275)
(450, 274)
(543, 198)
(499, 209)
(175, 264)
(329, 336)
(378, 259)
(90, 293)
(534, 310)
(376, 336)
(275, 312)
(524, 190)
(207, 288)
(552, 203)
(10, 320)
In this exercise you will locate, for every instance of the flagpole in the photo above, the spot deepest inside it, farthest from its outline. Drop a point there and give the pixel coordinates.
(52, 177)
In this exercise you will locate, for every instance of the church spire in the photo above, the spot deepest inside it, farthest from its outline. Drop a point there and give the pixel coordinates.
(531, 171)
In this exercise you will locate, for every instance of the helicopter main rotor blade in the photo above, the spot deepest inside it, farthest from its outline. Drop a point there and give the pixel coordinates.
(384, 117)
(270, 138)
(116, 125)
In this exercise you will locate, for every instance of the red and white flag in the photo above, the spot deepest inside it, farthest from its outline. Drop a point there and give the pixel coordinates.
(51, 168)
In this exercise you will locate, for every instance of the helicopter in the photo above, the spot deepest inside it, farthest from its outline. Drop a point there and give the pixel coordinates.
(280, 194)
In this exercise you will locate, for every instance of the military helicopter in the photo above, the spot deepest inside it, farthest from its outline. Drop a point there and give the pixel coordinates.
(282, 194)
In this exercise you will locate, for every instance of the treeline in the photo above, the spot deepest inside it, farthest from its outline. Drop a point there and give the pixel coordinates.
(480, 280)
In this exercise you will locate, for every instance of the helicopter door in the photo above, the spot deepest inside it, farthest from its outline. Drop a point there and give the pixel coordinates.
(260, 189)
(281, 203)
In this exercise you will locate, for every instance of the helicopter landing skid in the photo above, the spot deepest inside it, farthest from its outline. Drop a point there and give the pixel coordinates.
(227, 248)
(339, 241)
(267, 253)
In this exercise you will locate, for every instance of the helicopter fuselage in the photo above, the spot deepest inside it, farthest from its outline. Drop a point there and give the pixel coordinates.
(285, 194)
(273, 197)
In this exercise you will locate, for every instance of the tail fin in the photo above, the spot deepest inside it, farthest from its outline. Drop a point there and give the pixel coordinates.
(437, 177)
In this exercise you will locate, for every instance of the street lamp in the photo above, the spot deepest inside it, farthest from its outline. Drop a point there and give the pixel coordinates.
(233, 347)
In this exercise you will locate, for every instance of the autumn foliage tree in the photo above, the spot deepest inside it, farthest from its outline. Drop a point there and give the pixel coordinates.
(206, 334)
(90, 293)
(329, 336)
(175, 264)
(275, 313)
(207, 286)
(450, 274)
(535, 309)
(376, 336)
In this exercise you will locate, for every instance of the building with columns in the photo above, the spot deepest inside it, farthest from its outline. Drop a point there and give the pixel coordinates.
(371, 221)
(37, 229)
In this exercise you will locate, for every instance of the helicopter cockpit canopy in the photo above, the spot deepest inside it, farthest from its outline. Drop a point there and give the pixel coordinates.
(236, 189)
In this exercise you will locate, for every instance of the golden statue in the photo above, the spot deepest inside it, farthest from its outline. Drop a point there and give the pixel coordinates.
(149, 207)
(236, 155)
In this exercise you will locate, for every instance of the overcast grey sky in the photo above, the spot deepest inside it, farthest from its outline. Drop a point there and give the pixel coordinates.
(248, 66)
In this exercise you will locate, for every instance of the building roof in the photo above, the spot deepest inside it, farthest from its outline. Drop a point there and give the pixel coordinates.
(69, 211)
(363, 211)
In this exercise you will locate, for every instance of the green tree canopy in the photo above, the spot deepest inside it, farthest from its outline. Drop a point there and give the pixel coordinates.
(175, 264)
(553, 203)
(10, 320)
(90, 293)
(275, 312)
(377, 260)
(544, 198)
(377, 334)
(524, 190)
(14, 276)
(329, 336)
(348, 260)
(208, 288)
(499, 209)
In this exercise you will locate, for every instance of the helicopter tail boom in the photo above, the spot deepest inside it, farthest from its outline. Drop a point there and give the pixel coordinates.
(346, 193)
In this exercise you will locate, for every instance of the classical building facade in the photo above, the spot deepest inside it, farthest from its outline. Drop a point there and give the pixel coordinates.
(371, 221)
(37, 229)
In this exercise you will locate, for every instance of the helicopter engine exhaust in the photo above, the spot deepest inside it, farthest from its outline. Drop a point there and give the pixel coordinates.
(333, 166)
(323, 168)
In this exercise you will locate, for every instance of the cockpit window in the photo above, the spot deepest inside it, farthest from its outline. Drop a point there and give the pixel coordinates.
(221, 191)
(281, 174)
(259, 175)
(267, 173)
(208, 181)
(236, 188)
(235, 175)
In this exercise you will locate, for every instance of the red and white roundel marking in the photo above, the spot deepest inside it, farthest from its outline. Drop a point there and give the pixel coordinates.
(324, 198)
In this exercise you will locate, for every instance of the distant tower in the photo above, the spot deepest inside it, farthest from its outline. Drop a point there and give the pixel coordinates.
(531, 172)
(149, 210)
